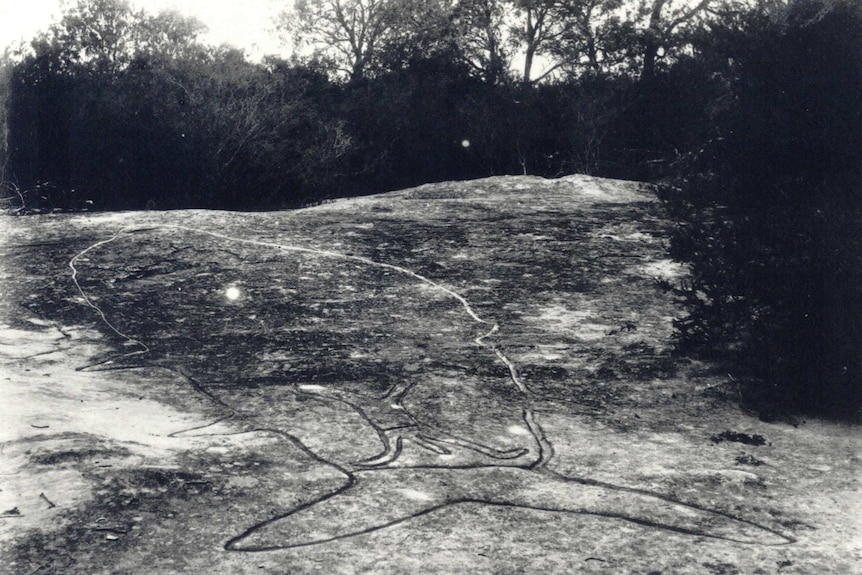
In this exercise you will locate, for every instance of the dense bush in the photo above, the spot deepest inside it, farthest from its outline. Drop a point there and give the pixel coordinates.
(206, 130)
(771, 211)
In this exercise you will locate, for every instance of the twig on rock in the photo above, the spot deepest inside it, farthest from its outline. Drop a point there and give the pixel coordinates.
(50, 503)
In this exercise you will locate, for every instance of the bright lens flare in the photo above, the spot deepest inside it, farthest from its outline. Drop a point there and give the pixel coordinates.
(232, 293)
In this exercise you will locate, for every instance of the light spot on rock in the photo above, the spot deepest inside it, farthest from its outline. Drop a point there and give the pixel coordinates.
(311, 387)
(414, 494)
(518, 430)
(232, 293)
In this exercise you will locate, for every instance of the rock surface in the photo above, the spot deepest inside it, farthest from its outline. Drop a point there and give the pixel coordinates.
(469, 377)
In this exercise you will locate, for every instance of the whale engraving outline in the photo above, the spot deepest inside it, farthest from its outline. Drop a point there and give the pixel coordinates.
(269, 534)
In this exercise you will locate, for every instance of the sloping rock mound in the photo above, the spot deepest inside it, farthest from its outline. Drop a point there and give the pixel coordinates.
(461, 377)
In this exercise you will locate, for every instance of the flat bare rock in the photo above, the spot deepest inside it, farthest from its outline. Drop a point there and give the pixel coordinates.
(465, 377)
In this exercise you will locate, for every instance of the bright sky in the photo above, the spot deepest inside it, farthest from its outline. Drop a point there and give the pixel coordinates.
(246, 24)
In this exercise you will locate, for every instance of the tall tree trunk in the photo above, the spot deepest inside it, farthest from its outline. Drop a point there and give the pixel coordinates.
(652, 41)
(528, 63)
(530, 50)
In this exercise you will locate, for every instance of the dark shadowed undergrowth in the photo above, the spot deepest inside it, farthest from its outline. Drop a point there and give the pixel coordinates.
(769, 215)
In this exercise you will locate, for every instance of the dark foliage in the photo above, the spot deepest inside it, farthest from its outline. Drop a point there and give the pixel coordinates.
(208, 130)
(771, 212)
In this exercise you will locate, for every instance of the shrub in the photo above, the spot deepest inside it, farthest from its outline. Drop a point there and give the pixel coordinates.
(770, 212)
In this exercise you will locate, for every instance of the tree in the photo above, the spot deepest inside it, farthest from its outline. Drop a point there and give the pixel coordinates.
(604, 36)
(106, 36)
(168, 36)
(345, 33)
(577, 36)
(100, 33)
(539, 26)
(8, 188)
(666, 24)
(597, 38)
(421, 30)
(479, 28)
(6, 67)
